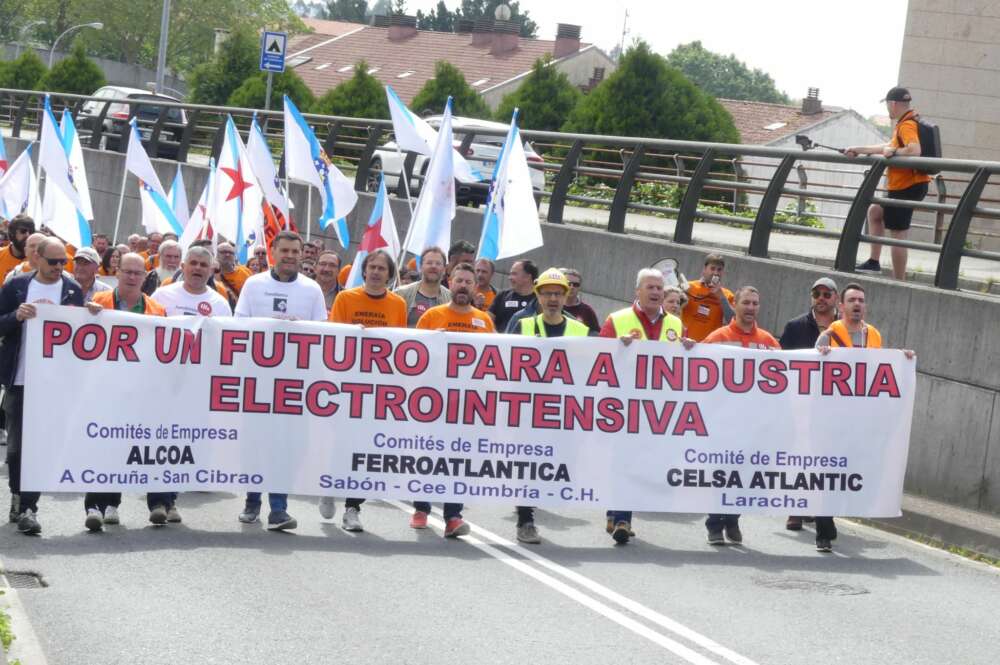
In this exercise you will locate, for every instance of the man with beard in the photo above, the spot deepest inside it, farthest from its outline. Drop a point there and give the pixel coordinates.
(169, 262)
(231, 275)
(485, 293)
(370, 305)
(428, 292)
(457, 316)
(102, 507)
(11, 256)
(100, 243)
(710, 305)
(279, 294)
(802, 333)
(849, 331)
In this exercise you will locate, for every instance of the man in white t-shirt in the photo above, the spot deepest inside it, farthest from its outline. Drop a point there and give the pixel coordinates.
(280, 293)
(191, 296)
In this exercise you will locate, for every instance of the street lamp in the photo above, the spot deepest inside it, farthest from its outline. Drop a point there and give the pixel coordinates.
(96, 25)
(20, 38)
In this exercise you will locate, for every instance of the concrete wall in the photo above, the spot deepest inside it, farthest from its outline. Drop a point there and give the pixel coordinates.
(955, 441)
(117, 73)
(951, 64)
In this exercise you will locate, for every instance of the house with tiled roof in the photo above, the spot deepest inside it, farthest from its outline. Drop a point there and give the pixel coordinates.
(491, 54)
(776, 125)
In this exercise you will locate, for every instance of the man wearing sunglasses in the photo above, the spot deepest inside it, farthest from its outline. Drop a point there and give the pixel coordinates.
(803, 331)
(17, 304)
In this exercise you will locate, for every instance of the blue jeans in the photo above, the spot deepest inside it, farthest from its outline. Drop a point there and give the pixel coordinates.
(450, 509)
(278, 502)
(719, 522)
(617, 516)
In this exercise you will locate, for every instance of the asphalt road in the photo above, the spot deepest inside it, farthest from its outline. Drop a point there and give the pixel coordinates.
(214, 591)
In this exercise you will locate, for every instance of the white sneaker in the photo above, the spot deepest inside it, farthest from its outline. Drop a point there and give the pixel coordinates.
(327, 507)
(352, 520)
(111, 515)
(94, 521)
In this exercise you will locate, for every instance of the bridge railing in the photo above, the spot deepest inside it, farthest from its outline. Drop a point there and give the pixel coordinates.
(763, 189)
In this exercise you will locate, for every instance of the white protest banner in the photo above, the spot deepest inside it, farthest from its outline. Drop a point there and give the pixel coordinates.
(326, 409)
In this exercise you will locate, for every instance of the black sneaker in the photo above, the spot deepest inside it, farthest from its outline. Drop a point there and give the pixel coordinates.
(871, 265)
(793, 524)
(716, 538)
(823, 545)
(158, 515)
(622, 533)
(734, 534)
(28, 524)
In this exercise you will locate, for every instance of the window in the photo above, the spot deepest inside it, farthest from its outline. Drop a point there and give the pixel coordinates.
(480, 82)
(345, 68)
(775, 125)
(373, 70)
(324, 66)
(299, 60)
(406, 74)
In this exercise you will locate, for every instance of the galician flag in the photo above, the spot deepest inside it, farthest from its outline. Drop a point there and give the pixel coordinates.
(414, 134)
(510, 220)
(431, 222)
(236, 212)
(58, 211)
(179, 199)
(3, 157)
(380, 234)
(306, 161)
(54, 160)
(157, 213)
(19, 188)
(263, 167)
(199, 225)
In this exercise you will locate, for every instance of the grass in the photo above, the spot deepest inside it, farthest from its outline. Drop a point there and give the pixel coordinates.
(6, 636)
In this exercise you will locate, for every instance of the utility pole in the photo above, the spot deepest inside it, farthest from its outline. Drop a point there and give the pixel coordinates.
(161, 56)
(621, 44)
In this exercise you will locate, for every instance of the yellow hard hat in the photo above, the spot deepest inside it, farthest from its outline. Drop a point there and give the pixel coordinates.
(552, 276)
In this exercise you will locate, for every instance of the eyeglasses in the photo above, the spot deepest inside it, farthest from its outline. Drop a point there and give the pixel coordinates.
(54, 262)
(822, 294)
(574, 285)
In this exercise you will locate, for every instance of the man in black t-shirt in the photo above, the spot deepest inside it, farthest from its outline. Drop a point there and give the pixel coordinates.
(521, 294)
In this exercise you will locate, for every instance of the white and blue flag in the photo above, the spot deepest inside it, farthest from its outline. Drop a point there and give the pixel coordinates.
(58, 211)
(157, 214)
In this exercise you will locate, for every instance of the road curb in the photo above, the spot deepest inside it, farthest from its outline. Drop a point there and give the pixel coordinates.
(945, 524)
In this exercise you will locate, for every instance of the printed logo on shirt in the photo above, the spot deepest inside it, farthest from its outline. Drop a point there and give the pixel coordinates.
(205, 308)
(703, 310)
(478, 323)
(512, 303)
(671, 335)
(280, 305)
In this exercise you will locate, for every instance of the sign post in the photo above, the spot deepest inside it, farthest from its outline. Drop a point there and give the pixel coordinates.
(272, 59)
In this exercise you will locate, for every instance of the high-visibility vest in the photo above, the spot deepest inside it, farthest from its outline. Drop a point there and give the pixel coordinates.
(841, 336)
(626, 320)
(534, 326)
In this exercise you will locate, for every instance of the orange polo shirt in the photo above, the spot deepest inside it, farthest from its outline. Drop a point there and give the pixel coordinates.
(7, 262)
(703, 312)
(357, 307)
(236, 278)
(443, 317)
(904, 134)
(757, 338)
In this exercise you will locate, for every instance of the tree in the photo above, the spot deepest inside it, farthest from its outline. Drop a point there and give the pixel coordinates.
(439, 19)
(646, 97)
(352, 11)
(545, 99)
(213, 82)
(361, 96)
(448, 81)
(251, 93)
(75, 74)
(442, 19)
(25, 73)
(724, 76)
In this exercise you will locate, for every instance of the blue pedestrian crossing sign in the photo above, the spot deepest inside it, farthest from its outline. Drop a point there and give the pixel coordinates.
(272, 52)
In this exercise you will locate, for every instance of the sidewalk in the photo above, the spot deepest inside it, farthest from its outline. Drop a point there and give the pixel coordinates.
(977, 275)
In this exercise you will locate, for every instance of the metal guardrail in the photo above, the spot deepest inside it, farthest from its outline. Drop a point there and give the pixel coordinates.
(714, 189)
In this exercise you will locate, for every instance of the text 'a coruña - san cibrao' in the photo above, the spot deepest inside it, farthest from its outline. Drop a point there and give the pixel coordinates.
(520, 366)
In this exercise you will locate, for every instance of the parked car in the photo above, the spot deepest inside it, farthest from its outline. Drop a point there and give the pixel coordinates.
(146, 115)
(482, 155)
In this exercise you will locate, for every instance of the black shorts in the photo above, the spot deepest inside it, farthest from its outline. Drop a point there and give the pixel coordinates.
(898, 219)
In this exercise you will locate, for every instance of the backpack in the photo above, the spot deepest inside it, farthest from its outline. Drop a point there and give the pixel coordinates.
(930, 141)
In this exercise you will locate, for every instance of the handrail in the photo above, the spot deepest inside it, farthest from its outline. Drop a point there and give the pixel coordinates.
(739, 179)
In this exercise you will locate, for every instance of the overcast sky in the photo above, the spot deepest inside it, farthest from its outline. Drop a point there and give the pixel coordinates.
(800, 43)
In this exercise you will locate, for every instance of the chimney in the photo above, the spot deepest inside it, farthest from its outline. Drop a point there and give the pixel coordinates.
(380, 20)
(482, 32)
(506, 37)
(221, 35)
(812, 104)
(402, 27)
(567, 40)
(464, 25)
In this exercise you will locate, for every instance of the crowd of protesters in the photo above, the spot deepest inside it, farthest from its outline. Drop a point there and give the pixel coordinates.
(439, 290)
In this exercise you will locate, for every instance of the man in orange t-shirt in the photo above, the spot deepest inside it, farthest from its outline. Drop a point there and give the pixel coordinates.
(457, 316)
(19, 229)
(709, 305)
(371, 305)
(904, 184)
(230, 274)
(741, 331)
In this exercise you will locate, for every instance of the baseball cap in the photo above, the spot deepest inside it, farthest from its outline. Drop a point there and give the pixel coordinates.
(552, 276)
(87, 254)
(897, 94)
(826, 283)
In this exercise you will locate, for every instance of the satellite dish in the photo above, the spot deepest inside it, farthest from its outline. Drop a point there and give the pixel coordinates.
(502, 13)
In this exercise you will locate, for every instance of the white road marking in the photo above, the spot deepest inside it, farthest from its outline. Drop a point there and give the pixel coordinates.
(25, 646)
(603, 609)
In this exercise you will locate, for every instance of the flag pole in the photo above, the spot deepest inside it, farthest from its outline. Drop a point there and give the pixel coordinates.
(121, 201)
(406, 181)
(309, 214)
